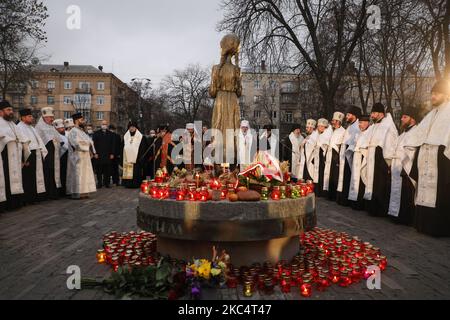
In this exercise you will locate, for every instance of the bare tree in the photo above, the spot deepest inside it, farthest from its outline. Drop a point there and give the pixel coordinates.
(319, 33)
(21, 30)
(187, 92)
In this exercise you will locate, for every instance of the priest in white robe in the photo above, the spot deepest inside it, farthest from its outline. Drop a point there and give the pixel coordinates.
(401, 204)
(308, 145)
(52, 142)
(247, 145)
(63, 153)
(320, 153)
(291, 150)
(358, 178)
(346, 155)
(33, 169)
(80, 175)
(431, 167)
(12, 145)
(332, 161)
(381, 146)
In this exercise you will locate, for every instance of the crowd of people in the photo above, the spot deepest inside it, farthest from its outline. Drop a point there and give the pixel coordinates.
(357, 160)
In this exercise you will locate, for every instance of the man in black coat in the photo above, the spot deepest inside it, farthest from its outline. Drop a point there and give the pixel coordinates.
(104, 143)
(118, 148)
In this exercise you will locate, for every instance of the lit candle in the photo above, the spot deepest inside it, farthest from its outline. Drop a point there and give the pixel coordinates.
(101, 256)
(306, 289)
(248, 289)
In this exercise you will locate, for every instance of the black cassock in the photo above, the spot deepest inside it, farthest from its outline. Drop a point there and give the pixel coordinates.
(342, 197)
(118, 148)
(334, 175)
(436, 221)
(29, 183)
(52, 192)
(306, 175)
(407, 207)
(319, 186)
(12, 201)
(104, 143)
(63, 172)
(359, 204)
(138, 168)
(150, 157)
(379, 205)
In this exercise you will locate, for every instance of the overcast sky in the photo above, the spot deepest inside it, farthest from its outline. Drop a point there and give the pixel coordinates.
(135, 38)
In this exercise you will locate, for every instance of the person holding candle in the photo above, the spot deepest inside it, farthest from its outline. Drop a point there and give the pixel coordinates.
(320, 152)
(11, 148)
(290, 149)
(33, 170)
(307, 151)
(134, 149)
(80, 175)
(52, 142)
(401, 205)
(331, 170)
(380, 145)
(431, 166)
(346, 155)
(247, 145)
(358, 177)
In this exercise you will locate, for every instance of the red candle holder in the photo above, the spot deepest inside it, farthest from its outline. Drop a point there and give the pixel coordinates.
(232, 282)
(276, 194)
(285, 284)
(306, 289)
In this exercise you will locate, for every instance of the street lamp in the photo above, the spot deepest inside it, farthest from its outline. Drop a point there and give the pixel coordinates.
(142, 80)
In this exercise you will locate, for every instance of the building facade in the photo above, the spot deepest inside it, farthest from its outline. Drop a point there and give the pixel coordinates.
(77, 88)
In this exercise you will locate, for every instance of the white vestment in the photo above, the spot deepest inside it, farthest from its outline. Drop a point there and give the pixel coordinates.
(80, 176)
(403, 160)
(296, 154)
(346, 152)
(359, 165)
(35, 143)
(130, 153)
(431, 133)
(336, 141)
(245, 144)
(384, 135)
(48, 133)
(307, 154)
(321, 146)
(11, 138)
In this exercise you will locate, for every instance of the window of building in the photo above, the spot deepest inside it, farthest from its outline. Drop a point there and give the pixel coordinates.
(100, 100)
(242, 114)
(273, 84)
(67, 114)
(289, 117)
(274, 114)
(34, 84)
(84, 85)
(51, 84)
(34, 100)
(67, 85)
(286, 99)
(67, 100)
(257, 114)
(256, 99)
(257, 84)
(50, 100)
(100, 115)
(100, 86)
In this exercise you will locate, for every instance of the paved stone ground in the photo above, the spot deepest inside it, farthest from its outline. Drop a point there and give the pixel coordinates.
(38, 243)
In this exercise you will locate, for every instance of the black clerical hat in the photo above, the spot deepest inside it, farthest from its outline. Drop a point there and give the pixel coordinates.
(77, 116)
(354, 110)
(364, 117)
(378, 107)
(5, 104)
(413, 113)
(25, 112)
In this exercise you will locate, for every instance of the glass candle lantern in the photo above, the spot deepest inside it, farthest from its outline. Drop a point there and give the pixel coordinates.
(248, 289)
(283, 194)
(191, 194)
(145, 186)
(322, 283)
(346, 279)
(285, 284)
(101, 256)
(215, 184)
(223, 193)
(181, 194)
(204, 194)
(310, 186)
(276, 193)
(154, 190)
(264, 193)
(232, 281)
(268, 286)
(306, 288)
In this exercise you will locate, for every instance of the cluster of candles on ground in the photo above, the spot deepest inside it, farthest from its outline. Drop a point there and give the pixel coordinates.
(327, 258)
(128, 249)
(215, 191)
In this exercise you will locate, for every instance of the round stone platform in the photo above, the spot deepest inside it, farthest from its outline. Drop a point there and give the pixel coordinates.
(248, 231)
